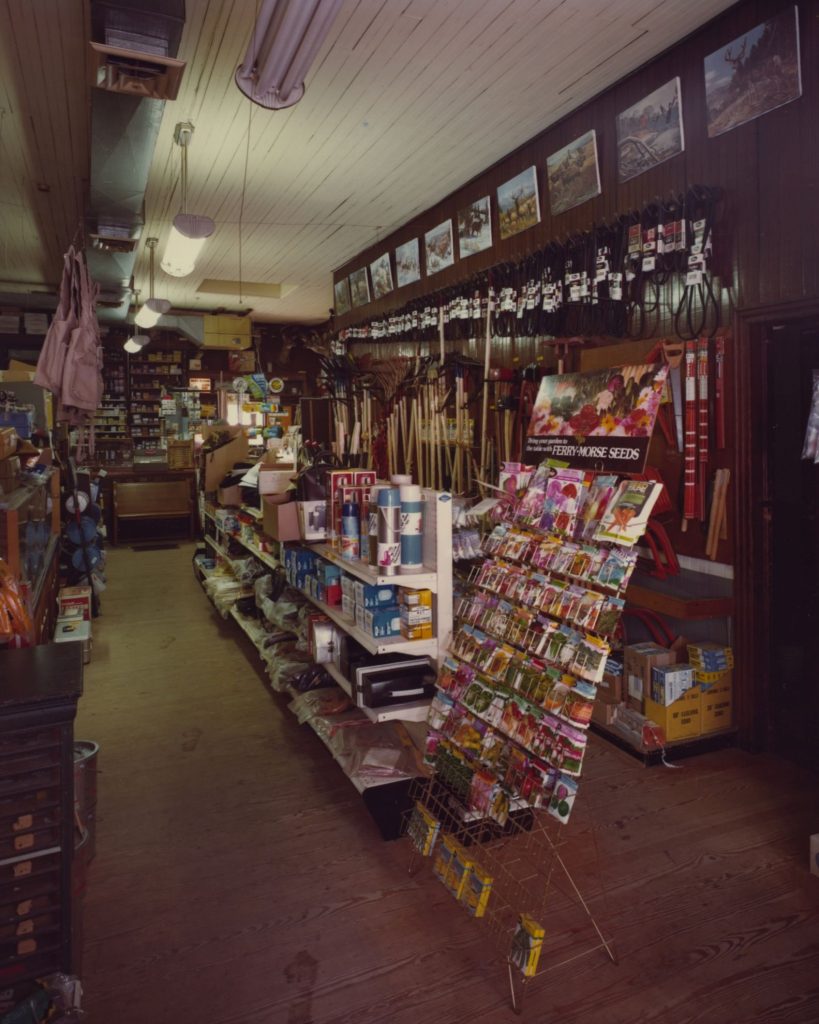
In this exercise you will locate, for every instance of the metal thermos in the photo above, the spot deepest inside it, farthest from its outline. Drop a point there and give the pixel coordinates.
(412, 526)
(389, 531)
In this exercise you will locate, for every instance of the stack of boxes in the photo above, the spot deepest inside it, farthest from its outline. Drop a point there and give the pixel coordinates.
(74, 619)
(713, 673)
(380, 610)
(685, 699)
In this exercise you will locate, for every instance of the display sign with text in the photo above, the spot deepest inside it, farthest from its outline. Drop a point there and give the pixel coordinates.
(601, 420)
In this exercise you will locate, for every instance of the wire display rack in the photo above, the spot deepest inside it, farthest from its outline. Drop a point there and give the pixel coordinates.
(530, 874)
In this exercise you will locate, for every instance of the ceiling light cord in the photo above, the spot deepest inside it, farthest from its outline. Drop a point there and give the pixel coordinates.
(244, 193)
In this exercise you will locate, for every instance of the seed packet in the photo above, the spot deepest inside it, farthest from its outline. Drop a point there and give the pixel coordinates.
(560, 805)
(423, 830)
(590, 658)
(439, 710)
(616, 570)
(530, 508)
(527, 943)
(444, 857)
(481, 792)
(460, 868)
(610, 614)
(597, 499)
(565, 495)
(626, 516)
(476, 892)
(588, 609)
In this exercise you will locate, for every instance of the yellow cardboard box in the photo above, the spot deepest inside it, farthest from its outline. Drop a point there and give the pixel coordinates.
(680, 720)
(716, 707)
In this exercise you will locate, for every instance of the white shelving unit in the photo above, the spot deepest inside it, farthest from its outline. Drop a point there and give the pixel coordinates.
(414, 712)
(376, 645)
(427, 580)
(437, 577)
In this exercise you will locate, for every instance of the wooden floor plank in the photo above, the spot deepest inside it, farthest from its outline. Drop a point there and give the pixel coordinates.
(240, 879)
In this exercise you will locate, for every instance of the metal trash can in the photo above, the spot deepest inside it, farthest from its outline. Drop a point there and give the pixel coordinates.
(85, 799)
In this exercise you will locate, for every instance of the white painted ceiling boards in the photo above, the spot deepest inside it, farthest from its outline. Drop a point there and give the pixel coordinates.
(407, 100)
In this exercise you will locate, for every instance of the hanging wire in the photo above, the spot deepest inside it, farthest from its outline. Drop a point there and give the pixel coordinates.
(244, 193)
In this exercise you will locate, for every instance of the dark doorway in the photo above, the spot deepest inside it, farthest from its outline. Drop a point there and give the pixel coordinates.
(790, 492)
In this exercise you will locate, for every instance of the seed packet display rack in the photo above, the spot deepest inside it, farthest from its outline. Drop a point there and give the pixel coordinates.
(509, 725)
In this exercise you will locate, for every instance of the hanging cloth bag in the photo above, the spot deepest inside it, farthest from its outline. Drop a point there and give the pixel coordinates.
(51, 364)
(83, 385)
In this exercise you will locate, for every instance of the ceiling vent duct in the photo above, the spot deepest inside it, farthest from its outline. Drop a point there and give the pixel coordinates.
(134, 44)
(130, 72)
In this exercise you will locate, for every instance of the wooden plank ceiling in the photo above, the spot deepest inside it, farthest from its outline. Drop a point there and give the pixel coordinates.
(407, 100)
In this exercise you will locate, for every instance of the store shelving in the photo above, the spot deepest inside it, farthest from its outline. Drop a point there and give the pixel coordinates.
(426, 580)
(410, 712)
(375, 645)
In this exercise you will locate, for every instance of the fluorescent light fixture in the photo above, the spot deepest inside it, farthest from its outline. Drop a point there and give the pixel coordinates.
(189, 231)
(136, 343)
(283, 44)
(188, 234)
(153, 309)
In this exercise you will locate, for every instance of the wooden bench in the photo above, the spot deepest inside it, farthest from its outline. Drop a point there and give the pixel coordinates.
(168, 499)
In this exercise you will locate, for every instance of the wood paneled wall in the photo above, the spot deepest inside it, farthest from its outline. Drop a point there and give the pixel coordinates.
(767, 244)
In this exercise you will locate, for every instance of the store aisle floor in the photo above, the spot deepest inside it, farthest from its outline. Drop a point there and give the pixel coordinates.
(239, 878)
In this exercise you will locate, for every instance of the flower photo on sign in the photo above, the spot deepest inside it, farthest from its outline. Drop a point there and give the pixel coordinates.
(601, 420)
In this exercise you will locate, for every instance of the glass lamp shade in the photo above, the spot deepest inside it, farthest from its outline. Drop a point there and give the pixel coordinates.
(136, 343)
(188, 234)
(151, 311)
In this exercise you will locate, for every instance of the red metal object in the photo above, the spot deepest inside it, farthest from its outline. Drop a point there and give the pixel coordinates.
(690, 458)
(719, 392)
(702, 426)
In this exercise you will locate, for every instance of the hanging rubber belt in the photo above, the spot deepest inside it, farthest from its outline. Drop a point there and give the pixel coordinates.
(702, 425)
(690, 463)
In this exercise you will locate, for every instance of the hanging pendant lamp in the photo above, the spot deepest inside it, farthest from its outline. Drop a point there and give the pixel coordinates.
(153, 309)
(189, 231)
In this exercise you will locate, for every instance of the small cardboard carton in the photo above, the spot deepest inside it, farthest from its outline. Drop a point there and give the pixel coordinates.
(638, 661)
(281, 522)
(217, 464)
(680, 720)
(716, 706)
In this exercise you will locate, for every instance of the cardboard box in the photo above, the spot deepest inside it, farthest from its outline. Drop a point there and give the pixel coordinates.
(680, 720)
(716, 708)
(219, 463)
(369, 595)
(669, 682)
(229, 495)
(75, 597)
(638, 661)
(8, 442)
(275, 477)
(611, 688)
(604, 710)
(281, 522)
(705, 680)
(348, 607)
(72, 630)
(313, 519)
